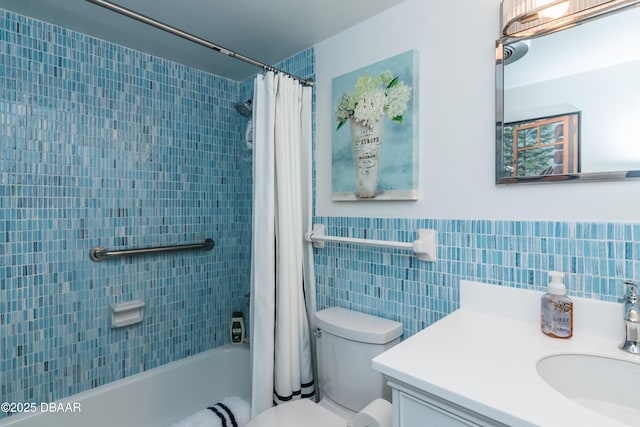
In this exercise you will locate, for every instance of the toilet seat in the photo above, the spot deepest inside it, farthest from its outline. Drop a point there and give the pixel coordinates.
(301, 412)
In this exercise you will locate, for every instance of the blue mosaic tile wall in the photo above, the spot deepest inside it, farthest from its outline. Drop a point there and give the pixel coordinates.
(103, 145)
(596, 257)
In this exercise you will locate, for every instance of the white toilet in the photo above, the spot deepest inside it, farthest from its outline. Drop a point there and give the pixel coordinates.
(346, 343)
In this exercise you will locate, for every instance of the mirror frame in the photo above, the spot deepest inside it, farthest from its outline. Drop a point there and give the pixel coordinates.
(547, 28)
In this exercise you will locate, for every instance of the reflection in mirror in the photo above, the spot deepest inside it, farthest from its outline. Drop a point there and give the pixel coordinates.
(540, 147)
(569, 101)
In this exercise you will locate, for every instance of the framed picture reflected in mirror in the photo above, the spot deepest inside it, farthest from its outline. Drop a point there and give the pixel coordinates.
(542, 146)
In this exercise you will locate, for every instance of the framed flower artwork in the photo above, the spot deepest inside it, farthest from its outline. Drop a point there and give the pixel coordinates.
(374, 147)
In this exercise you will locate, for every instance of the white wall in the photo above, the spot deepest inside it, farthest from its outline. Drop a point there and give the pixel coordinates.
(608, 103)
(456, 47)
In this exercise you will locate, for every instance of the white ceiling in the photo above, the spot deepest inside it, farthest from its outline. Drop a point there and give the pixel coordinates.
(266, 30)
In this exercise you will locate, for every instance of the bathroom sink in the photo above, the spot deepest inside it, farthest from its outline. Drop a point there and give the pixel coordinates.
(602, 384)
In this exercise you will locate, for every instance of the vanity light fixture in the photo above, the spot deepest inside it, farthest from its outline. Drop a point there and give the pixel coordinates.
(538, 10)
(525, 18)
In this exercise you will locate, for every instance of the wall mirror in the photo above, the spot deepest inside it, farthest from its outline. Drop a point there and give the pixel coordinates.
(568, 101)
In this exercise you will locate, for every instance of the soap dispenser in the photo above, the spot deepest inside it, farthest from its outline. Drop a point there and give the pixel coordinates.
(556, 319)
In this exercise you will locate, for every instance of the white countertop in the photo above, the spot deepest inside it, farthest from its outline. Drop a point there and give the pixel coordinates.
(486, 362)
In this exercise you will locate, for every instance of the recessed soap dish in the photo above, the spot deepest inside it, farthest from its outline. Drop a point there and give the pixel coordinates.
(127, 313)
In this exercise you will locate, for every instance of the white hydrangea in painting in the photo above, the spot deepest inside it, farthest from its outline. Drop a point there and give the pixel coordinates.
(373, 97)
(376, 156)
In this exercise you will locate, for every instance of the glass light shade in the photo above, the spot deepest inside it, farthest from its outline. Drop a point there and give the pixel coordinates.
(552, 12)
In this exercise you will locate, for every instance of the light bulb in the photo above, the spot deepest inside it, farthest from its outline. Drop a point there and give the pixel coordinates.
(552, 12)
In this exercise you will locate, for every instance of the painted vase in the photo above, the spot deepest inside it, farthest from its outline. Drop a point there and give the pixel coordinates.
(367, 143)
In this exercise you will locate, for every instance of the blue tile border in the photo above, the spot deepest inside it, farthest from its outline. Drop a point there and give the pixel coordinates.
(596, 257)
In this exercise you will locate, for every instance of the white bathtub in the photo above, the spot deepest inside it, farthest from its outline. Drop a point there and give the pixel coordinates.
(155, 398)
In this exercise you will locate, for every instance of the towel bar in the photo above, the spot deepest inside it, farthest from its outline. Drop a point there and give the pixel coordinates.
(424, 247)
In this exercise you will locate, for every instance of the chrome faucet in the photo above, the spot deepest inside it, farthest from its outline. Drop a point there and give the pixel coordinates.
(631, 319)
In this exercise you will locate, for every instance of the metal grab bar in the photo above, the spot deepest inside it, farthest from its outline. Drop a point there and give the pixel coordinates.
(99, 253)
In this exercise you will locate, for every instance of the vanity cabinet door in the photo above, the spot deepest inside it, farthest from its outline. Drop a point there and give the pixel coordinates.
(412, 412)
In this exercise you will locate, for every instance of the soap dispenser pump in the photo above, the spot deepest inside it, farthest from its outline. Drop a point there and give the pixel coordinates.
(556, 319)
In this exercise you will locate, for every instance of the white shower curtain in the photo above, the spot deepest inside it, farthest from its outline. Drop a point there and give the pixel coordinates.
(282, 264)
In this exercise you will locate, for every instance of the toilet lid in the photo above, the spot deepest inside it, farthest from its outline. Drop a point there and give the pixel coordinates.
(297, 413)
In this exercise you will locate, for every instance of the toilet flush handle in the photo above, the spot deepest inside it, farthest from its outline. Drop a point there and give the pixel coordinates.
(317, 333)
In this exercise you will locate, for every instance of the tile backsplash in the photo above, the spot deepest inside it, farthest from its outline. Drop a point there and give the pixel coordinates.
(596, 257)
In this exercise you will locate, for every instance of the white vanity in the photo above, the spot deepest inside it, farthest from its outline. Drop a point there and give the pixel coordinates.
(488, 364)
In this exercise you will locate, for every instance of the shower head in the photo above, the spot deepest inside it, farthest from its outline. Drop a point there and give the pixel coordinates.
(244, 108)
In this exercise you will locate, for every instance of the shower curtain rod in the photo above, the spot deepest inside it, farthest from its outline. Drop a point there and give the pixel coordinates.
(175, 31)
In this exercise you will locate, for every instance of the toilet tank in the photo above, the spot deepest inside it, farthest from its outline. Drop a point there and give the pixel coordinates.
(347, 342)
